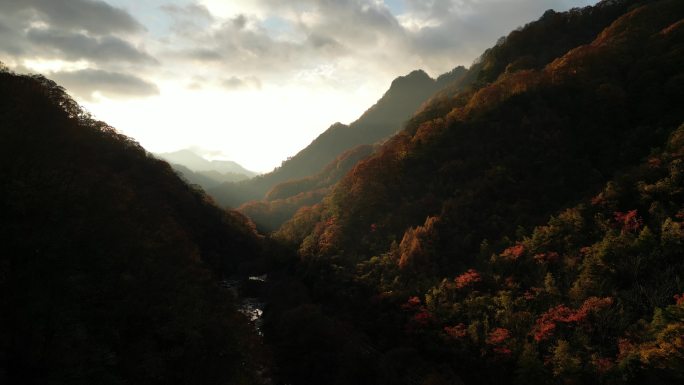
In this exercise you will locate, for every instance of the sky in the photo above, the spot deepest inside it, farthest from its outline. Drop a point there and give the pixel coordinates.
(253, 81)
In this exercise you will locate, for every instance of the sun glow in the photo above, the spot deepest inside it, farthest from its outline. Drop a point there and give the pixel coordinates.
(250, 125)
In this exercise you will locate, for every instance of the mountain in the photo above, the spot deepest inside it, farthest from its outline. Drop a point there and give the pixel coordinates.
(523, 230)
(525, 226)
(284, 199)
(197, 163)
(383, 119)
(110, 264)
(207, 174)
(206, 179)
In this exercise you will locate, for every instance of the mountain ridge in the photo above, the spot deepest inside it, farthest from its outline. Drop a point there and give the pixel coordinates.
(110, 264)
(382, 119)
(512, 232)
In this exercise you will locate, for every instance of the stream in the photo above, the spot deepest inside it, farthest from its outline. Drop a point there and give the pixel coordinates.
(247, 292)
(248, 302)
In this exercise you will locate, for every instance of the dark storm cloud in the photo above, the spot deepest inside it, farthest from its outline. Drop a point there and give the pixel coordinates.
(85, 83)
(76, 46)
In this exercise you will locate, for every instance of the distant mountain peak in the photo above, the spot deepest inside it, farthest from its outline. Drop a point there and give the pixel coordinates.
(196, 162)
(411, 80)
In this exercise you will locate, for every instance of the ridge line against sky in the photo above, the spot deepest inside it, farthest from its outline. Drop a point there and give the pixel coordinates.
(253, 81)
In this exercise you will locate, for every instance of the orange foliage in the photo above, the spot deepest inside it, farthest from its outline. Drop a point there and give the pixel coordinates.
(514, 252)
(414, 245)
(412, 303)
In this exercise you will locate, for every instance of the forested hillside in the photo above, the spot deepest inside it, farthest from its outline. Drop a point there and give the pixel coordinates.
(439, 249)
(383, 119)
(525, 225)
(284, 199)
(110, 264)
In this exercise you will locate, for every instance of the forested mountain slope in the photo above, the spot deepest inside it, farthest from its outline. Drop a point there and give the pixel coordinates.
(429, 246)
(383, 119)
(110, 262)
(284, 199)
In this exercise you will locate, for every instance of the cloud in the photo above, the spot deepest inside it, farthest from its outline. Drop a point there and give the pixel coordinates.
(85, 83)
(189, 19)
(443, 29)
(94, 16)
(188, 11)
(235, 83)
(76, 46)
(436, 35)
(69, 30)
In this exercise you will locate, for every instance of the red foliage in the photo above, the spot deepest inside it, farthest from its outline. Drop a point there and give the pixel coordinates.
(679, 298)
(514, 252)
(458, 331)
(498, 336)
(546, 324)
(592, 304)
(422, 318)
(373, 227)
(468, 278)
(628, 221)
(510, 282)
(502, 350)
(655, 163)
(603, 364)
(532, 293)
(413, 303)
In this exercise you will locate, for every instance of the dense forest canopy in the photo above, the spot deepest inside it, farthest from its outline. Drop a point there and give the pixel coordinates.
(111, 263)
(440, 232)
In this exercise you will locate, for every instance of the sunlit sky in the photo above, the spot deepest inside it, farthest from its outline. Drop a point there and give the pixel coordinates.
(252, 81)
